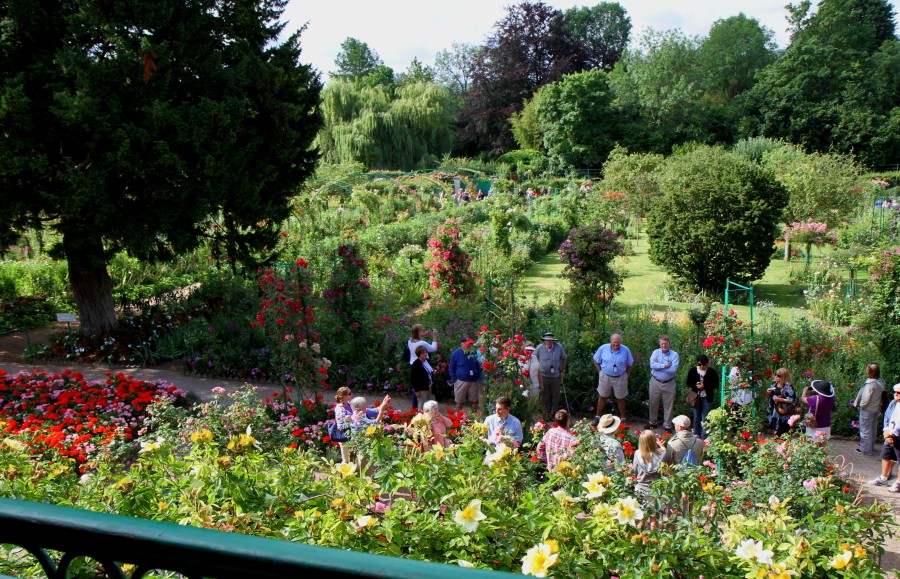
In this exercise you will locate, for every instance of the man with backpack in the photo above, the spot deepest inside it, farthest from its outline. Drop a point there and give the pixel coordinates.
(685, 447)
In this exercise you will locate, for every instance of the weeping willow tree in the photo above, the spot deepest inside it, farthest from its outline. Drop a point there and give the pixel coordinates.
(385, 127)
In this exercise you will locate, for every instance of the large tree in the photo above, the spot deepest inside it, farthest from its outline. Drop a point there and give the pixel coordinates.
(717, 218)
(530, 47)
(150, 126)
(730, 56)
(836, 86)
(601, 32)
(577, 121)
(356, 60)
(385, 128)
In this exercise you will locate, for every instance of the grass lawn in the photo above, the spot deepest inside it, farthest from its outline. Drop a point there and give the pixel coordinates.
(644, 279)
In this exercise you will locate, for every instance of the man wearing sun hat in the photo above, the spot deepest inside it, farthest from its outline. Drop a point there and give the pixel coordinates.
(607, 426)
(552, 360)
(890, 451)
(821, 404)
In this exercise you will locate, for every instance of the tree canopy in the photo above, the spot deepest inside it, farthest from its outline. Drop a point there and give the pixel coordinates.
(356, 60)
(601, 32)
(835, 87)
(150, 126)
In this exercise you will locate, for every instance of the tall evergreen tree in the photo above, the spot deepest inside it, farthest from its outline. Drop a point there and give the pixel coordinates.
(150, 126)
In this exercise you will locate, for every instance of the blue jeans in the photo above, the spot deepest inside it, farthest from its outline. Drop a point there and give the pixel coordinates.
(704, 405)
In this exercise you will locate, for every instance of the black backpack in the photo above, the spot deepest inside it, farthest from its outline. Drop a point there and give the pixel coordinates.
(404, 357)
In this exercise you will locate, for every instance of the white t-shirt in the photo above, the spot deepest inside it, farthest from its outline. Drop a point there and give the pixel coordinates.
(432, 347)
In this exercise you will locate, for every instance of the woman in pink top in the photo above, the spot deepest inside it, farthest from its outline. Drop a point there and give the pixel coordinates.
(439, 423)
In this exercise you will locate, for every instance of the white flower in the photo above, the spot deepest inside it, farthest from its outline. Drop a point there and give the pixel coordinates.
(464, 563)
(365, 521)
(468, 517)
(627, 511)
(774, 502)
(594, 485)
(753, 551)
(152, 446)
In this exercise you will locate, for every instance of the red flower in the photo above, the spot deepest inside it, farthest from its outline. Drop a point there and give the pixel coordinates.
(745, 435)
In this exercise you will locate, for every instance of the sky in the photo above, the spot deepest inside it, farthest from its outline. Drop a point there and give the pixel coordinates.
(399, 30)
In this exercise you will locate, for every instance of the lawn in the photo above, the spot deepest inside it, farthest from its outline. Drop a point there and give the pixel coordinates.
(644, 281)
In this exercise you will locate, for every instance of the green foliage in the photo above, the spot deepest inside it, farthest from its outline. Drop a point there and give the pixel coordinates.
(734, 51)
(526, 127)
(577, 121)
(601, 31)
(632, 174)
(705, 248)
(588, 254)
(384, 128)
(833, 89)
(355, 61)
(821, 186)
(201, 128)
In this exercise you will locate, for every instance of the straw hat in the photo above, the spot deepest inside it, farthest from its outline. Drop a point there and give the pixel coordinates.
(608, 423)
(548, 336)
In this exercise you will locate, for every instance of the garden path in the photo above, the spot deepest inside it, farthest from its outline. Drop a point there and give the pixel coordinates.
(860, 469)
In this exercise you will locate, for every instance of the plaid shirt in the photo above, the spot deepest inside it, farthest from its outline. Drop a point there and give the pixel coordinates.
(556, 446)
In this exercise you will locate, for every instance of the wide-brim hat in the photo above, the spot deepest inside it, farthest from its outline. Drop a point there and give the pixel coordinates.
(608, 423)
(823, 388)
(548, 336)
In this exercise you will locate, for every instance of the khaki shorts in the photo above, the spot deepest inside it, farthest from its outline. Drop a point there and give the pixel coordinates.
(609, 385)
(466, 391)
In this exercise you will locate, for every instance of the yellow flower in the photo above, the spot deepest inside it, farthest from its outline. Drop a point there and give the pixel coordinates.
(346, 468)
(202, 435)
(780, 571)
(469, 517)
(152, 446)
(501, 451)
(370, 430)
(842, 560)
(161, 505)
(224, 461)
(338, 503)
(288, 449)
(594, 485)
(628, 511)
(859, 552)
(538, 560)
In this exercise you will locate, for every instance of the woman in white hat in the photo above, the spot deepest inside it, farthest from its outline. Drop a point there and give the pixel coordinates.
(821, 404)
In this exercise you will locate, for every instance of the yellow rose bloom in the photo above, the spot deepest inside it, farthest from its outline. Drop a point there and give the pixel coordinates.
(538, 560)
(842, 560)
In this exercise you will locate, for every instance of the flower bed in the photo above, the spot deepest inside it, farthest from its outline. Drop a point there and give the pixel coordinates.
(779, 508)
(74, 417)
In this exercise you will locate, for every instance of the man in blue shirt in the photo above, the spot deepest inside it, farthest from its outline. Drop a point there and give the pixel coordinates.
(465, 373)
(503, 424)
(663, 367)
(614, 363)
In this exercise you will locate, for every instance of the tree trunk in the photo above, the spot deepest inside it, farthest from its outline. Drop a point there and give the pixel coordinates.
(787, 249)
(91, 285)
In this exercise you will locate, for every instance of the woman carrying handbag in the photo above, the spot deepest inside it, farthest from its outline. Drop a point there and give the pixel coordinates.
(702, 383)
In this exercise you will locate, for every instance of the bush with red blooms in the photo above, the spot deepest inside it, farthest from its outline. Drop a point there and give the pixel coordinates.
(66, 413)
(448, 266)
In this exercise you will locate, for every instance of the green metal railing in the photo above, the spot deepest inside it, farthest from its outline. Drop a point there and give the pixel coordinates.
(152, 546)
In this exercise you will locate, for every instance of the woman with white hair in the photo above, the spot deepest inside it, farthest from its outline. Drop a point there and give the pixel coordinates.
(439, 423)
(363, 416)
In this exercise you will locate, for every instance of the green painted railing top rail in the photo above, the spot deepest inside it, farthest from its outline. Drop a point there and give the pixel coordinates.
(150, 546)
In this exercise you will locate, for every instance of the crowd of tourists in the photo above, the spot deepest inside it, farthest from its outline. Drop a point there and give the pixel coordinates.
(545, 367)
